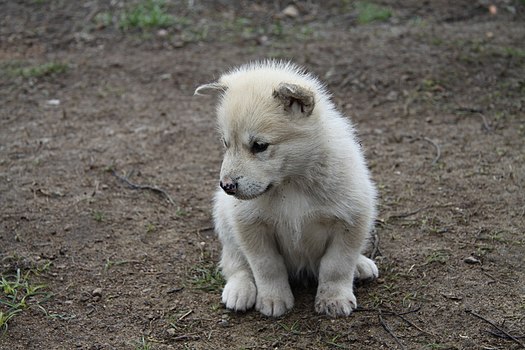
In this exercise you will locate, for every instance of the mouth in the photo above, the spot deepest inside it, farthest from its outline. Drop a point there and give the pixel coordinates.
(253, 196)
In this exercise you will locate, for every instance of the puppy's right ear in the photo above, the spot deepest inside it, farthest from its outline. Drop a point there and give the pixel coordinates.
(210, 89)
(296, 99)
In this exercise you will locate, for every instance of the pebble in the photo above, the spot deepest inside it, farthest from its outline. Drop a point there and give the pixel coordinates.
(53, 102)
(291, 11)
(97, 292)
(471, 260)
(263, 40)
(392, 96)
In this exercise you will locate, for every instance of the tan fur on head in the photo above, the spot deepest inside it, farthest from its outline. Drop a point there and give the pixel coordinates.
(296, 197)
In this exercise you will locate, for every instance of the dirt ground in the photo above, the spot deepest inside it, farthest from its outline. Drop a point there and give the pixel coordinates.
(436, 89)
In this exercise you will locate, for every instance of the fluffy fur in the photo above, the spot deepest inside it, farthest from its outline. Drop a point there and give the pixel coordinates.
(298, 199)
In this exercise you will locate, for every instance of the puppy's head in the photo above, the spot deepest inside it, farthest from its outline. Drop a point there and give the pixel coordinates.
(265, 121)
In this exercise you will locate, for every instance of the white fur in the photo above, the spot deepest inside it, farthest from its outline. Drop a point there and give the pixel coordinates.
(304, 206)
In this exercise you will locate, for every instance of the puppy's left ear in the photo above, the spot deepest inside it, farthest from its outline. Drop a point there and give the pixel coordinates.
(296, 99)
(210, 89)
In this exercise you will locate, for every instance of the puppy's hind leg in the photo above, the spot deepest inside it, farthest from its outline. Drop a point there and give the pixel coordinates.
(366, 269)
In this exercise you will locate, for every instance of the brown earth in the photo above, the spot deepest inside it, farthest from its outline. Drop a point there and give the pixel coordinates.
(437, 92)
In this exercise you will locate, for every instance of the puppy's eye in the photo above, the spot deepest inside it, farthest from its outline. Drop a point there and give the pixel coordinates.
(225, 144)
(259, 147)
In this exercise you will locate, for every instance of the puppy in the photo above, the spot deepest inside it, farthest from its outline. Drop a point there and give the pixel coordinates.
(296, 198)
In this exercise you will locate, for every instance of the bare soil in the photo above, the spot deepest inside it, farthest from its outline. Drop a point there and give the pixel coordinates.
(437, 92)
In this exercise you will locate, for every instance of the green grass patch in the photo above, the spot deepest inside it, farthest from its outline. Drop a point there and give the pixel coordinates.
(98, 216)
(207, 278)
(35, 71)
(112, 263)
(5, 317)
(514, 52)
(143, 344)
(368, 12)
(146, 15)
(181, 212)
(150, 228)
(294, 328)
(103, 19)
(18, 293)
(438, 256)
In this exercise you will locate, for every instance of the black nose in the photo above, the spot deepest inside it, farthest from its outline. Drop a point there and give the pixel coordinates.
(229, 186)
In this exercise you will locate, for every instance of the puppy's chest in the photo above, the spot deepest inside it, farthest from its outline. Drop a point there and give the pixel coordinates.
(300, 224)
(291, 209)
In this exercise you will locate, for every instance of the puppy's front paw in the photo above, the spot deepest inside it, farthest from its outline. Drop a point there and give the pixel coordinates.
(239, 293)
(274, 301)
(366, 269)
(335, 300)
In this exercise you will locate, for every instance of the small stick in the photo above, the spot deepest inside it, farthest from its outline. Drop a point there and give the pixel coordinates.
(388, 312)
(192, 336)
(143, 187)
(478, 112)
(375, 249)
(511, 337)
(389, 331)
(414, 325)
(416, 309)
(185, 315)
(436, 146)
(404, 215)
(485, 123)
(504, 336)
(400, 315)
(469, 110)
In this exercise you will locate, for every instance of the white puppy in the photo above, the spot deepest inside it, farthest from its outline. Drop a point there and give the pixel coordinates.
(296, 197)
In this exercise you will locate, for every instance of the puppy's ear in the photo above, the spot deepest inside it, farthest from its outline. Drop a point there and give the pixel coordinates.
(210, 89)
(296, 99)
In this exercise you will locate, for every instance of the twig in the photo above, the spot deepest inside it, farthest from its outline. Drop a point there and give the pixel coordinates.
(511, 337)
(478, 112)
(416, 309)
(400, 315)
(404, 215)
(375, 247)
(389, 331)
(469, 110)
(388, 312)
(185, 315)
(143, 187)
(501, 335)
(206, 228)
(414, 325)
(189, 336)
(485, 123)
(436, 146)
(174, 290)
(92, 15)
